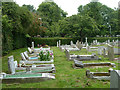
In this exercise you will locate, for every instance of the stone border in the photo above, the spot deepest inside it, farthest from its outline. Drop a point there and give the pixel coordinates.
(45, 76)
(80, 64)
(98, 75)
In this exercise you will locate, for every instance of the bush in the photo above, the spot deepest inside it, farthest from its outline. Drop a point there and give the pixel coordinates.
(20, 41)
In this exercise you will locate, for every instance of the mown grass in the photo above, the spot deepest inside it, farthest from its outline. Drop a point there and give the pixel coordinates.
(66, 76)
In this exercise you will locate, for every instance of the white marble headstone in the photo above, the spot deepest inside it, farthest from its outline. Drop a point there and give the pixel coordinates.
(32, 44)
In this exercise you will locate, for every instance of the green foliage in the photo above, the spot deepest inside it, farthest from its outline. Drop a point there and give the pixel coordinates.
(29, 7)
(7, 40)
(51, 14)
(36, 27)
(44, 56)
(103, 16)
(78, 25)
(15, 22)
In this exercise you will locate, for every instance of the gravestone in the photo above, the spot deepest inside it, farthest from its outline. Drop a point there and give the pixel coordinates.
(15, 63)
(57, 44)
(97, 35)
(33, 45)
(67, 53)
(108, 41)
(104, 51)
(110, 52)
(99, 50)
(86, 41)
(71, 42)
(80, 45)
(77, 42)
(11, 66)
(115, 79)
(88, 48)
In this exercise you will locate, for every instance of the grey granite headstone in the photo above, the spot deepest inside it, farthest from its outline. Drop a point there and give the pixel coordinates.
(115, 79)
(110, 52)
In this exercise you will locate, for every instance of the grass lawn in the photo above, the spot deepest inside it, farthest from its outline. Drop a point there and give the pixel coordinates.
(66, 76)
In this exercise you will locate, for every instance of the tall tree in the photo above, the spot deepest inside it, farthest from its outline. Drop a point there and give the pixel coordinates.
(50, 14)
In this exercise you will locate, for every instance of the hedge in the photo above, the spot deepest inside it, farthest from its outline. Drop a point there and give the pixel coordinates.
(20, 40)
(50, 41)
(53, 41)
(13, 41)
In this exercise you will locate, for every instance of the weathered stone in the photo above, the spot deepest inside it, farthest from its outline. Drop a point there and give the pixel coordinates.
(115, 79)
(81, 57)
(27, 77)
(98, 75)
(110, 52)
(11, 66)
(32, 44)
(79, 64)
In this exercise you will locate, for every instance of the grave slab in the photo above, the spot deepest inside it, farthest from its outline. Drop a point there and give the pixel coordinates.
(79, 64)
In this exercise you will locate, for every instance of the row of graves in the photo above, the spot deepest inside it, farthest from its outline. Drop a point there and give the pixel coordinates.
(35, 65)
(82, 52)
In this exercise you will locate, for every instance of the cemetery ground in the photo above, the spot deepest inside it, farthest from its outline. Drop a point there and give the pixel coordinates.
(66, 75)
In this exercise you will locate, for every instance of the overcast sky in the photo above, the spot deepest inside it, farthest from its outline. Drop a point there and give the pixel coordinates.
(70, 6)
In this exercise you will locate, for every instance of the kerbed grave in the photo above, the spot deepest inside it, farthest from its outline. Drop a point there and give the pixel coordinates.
(79, 64)
(99, 75)
(81, 57)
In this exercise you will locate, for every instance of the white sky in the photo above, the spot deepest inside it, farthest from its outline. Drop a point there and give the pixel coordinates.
(70, 6)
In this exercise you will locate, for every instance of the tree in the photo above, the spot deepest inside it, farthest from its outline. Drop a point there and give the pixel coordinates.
(50, 14)
(103, 15)
(36, 27)
(29, 7)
